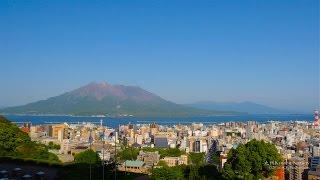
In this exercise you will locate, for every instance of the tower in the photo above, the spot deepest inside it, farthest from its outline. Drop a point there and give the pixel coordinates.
(197, 145)
(316, 118)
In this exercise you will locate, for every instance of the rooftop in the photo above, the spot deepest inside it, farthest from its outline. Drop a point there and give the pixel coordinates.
(135, 163)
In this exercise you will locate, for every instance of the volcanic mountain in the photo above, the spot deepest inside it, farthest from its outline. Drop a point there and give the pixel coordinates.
(112, 100)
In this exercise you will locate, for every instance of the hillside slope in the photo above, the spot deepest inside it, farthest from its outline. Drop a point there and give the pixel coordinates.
(112, 100)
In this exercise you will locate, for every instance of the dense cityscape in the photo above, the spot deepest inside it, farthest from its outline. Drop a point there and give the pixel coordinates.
(159, 90)
(146, 148)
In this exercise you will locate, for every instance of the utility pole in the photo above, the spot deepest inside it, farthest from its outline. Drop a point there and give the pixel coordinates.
(90, 141)
(115, 146)
(103, 162)
(115, 155)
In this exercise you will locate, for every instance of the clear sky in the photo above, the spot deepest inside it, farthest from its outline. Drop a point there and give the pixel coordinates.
(185, 51)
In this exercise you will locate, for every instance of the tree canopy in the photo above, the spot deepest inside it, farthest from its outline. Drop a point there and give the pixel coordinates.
(11, 137)
(167, 173)
(14, 142)
(254, 159)
(51, 145)
(87, 157)
(128, 153)
(196, 158)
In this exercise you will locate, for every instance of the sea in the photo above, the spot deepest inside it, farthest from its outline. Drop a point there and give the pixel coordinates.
(115, 122)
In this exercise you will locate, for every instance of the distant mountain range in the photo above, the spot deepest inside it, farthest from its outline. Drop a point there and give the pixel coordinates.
(248, 107)
(111, 100)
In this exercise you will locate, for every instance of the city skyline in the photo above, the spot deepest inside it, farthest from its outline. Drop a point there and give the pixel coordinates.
(265, 52)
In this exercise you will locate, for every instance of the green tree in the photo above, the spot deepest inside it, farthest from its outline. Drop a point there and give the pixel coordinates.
(11, 137)
(51, 145)
(194, 172)
(162, 163)
(87, 157)
(171, 152)
(167, 173)
(128, 153)
(255, 159)
(14, 142)
(196, 158)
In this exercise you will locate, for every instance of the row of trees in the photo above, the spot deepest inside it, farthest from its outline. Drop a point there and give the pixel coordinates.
(131, 153)
(170, 152)
(183, 172)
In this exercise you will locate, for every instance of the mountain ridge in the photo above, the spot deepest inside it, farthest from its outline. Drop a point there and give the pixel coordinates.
(245, 106)
(112, 100)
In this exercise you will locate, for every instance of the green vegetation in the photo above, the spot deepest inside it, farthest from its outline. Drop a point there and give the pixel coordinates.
(216, 158)
(82, 172)
(234, 134)
(128, 153)
(195, 161)
(170, 152)
(162, 163)
(196, 170)
(256, 159)
(16, 143)
(196, 158)
(11, 137)
(168, 173)
(87, 157)
(131, 153)
(51, 145)
(205, 172)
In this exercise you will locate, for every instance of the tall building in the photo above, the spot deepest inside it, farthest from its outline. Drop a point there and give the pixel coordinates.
(139, 139)
(161, 142)
(60, 135)
(56, 128)
(197, 145)
(315, 151)
(298, 169)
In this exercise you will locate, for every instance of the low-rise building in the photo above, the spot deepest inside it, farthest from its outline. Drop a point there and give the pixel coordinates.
(150, 158)
(175, 161)
(136, 166)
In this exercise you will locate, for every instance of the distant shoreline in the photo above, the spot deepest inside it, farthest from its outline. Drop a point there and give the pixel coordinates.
(121, 116)
(116, 121)
(103, 116)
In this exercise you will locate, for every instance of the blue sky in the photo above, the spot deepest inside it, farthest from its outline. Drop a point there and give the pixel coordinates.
(184, 51)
